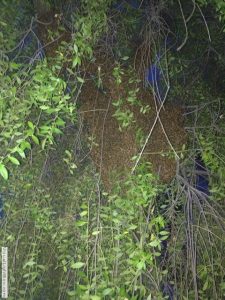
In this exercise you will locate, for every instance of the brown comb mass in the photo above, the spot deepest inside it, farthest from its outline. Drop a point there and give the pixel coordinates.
(115, 148)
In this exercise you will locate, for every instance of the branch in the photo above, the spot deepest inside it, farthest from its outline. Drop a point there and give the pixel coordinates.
(186, 30)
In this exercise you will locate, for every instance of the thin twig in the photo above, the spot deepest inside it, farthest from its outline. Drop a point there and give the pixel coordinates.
(185, 25)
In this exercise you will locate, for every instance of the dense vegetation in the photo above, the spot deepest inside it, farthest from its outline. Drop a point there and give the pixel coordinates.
(70, 236)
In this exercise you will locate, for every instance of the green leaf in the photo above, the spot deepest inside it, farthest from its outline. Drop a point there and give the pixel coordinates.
(81, 80)
(18, 80)
(43, 144)
(21, 153)
(44, 107)
(60, 122)
(57, 130)
(76, 61)
(25, 145)
(95, 232)
(3, 23)
(3, 171)
(154, 243)
(164, 232)
(132, 227)
(141, 265)
(35, 139)
(31, 125)
(80, 223)
(14, 160)
(77, 265)
(205, 286)
(95, 297)
(83, 213)
(71, 293)
(164, 238)
(75, 48)
(107, 292)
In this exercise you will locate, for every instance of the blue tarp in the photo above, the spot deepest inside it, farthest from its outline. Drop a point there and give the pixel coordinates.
(168, 291)
(154, 74)
(29, 49)
(154, 78)
(121, 6)
(1, 207)
(202, 181)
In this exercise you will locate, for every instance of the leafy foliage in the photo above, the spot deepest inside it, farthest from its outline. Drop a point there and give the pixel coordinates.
(68, 238)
